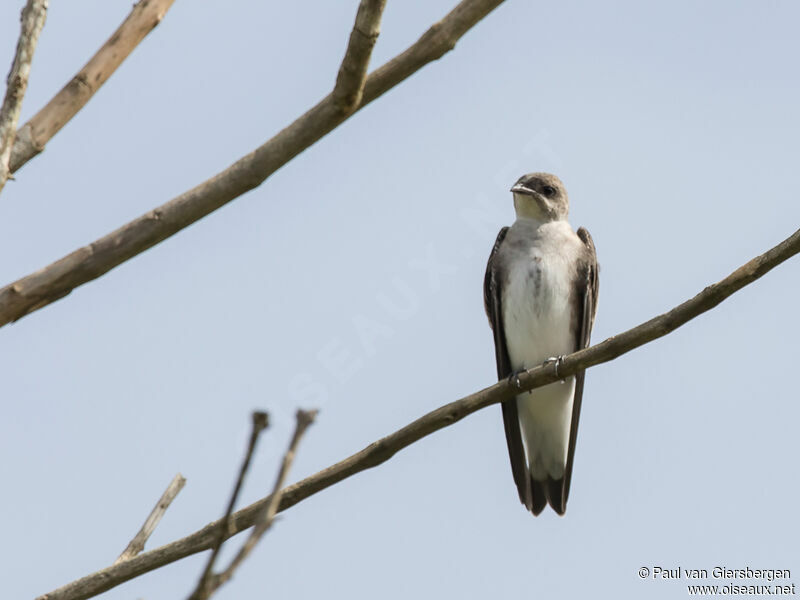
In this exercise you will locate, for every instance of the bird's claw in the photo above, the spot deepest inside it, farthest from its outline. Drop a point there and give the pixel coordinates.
(557, 360)
(514, 378)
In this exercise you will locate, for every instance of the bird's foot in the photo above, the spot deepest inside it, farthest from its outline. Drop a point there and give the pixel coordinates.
(514, 378)
(557, 360)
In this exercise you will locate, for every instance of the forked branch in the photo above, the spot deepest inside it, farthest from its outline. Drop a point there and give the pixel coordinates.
(34, 135)
(90, 262)
(210, 582)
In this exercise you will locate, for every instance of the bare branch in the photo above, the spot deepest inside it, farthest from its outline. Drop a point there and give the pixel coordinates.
(90, 262)
(353, 71)
(153, 519)
(33, 17)
(34, 135)
(260, 423)
(382, 450)
(211, 583)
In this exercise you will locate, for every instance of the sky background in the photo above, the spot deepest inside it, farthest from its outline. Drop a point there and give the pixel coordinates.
(674, 127)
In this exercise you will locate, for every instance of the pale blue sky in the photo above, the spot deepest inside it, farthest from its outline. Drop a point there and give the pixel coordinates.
(674, 127)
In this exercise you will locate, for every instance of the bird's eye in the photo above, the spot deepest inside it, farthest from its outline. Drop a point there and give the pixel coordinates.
(549, 191)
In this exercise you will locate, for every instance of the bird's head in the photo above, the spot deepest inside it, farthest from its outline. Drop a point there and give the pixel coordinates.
(540, 196)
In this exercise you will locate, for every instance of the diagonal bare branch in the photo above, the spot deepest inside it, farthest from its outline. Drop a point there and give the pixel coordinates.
(136, 545)
(34, 135)
(382, 450)
(353, 72)
(90, 262)
(210, 583)
(33, 17)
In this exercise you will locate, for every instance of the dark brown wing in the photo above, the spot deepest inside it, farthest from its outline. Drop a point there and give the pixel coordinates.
(587, 287)
(494, 310)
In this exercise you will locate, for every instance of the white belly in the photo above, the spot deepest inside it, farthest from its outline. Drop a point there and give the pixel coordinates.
(537, 318)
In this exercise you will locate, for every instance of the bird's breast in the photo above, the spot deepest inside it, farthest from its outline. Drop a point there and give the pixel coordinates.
(537, 307)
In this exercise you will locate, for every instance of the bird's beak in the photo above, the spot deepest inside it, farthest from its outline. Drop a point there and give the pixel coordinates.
(520, 188)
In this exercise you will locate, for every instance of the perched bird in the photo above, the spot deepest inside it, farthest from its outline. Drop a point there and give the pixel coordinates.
(540, 293)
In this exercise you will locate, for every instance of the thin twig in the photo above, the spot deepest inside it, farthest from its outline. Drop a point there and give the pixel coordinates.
(352, 75)
(34, 135)
(140, 539)
(90, 262)
(260, 423)
(382, 450)
(210, 583)
(33, 17)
